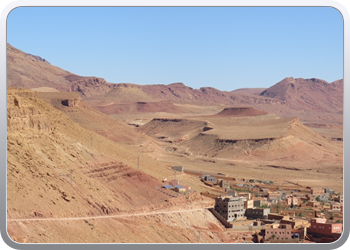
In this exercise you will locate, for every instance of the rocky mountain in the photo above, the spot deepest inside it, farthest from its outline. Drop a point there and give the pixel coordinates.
(308, 94)
(284, 98)
(28, 71)
(75, 145)
(62, 186)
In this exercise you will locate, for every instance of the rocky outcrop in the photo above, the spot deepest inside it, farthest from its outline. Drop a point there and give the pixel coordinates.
(38, 58)
(70, 102)
(90, 86)
(21, 115)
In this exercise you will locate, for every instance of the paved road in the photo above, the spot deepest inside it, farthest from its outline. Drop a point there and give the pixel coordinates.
(110, 216)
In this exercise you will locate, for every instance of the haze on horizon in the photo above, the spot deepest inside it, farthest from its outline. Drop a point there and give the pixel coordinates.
(223, 47)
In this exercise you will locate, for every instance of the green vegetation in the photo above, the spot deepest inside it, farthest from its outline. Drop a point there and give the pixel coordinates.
(264, 206)
(278, 207)
(91, 225)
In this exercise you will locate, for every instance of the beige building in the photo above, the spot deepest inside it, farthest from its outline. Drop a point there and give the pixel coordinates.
(317, 191)
(292, 200)
(336, 207)
(282, 232)
(247, 195)
(223, 183)
(248, 204)
(273, 195)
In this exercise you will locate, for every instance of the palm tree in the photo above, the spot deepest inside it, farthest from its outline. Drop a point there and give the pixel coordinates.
(273, 236)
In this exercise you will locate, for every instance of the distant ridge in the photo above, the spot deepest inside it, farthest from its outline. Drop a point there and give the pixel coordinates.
(288, 97)
(241, 111)
(308, 94)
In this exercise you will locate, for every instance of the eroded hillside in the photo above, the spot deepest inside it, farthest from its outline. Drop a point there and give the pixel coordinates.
(55, 171)
(255, 137)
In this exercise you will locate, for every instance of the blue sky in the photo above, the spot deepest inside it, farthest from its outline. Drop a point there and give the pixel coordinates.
(223, 47)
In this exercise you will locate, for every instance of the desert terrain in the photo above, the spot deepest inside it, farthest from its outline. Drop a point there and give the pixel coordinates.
(86, 158)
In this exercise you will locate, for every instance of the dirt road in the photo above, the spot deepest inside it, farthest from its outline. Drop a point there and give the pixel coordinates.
(110, 216)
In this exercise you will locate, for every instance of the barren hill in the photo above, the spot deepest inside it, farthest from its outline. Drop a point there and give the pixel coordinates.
(78, 111)
(27, 71)
(241, 111)
(56, 176)
(73, 160)
(308, 94)
(129, 99)
(174, 130)
(249, 91)
(298, 97)
(44, 145)
(255, 138)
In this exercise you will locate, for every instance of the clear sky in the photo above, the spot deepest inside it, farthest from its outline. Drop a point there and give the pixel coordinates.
(223, 47)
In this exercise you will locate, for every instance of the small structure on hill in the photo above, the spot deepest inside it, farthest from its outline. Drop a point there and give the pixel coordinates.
(168, 186)
(178, 168)
(179, 189)
(208, 178)
(223, 183)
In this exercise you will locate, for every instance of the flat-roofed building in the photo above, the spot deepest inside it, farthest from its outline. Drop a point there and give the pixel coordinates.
(245, 194)
(282, 232)
(179, 189)
(295, 223)
(336, 206)
(273, 195)
(273, 216)
(292, 200)
(224, 184)
(257, 213)
(248, 204)
(229, 207)
(321, 227)
(339, 198)
(317, 191)
(209, 178)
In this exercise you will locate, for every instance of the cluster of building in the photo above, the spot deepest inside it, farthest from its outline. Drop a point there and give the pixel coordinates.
(253, 201)
(285, 225)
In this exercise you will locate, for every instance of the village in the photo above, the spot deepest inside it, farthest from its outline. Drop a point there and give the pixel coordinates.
(271, 213)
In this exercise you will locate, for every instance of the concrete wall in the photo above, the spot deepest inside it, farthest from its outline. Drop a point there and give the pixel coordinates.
(220, 218)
